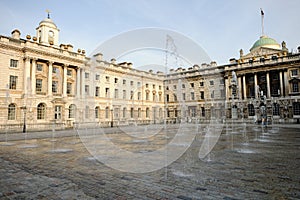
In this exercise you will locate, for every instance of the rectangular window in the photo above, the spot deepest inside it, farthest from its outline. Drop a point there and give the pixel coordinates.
(11, 112)
(192, 96)
(192, 85)
(86, 75)
(295, 87)
(97, 77)
(175, 97)
(202, 111)
(222, 82)
(69, 72)
(124, 112)
(57, 112)
(107, 78)
(116, 80)
(159, 97)
(124, 82)
(202, 95)
(167, 98)
(124, 94)
(294, 72)
(107, 92)
(222, 93)
(139, 96)
(201, 84)
(13, 82)
(138, 84)
(183, 86)
(147, 85)
(131, 83)
(212, 95)
(116, 93)
(39, 67)
(131, 112)
(54, 86)
(183, 96)
(38, 85)
(97, 91)
(174, 86)
(147, 96)
(153, 86)
(69, 88)
(131, 95)
(211, 82)
(54, 70)
(87, 90)
(13, 63)
(159, 87)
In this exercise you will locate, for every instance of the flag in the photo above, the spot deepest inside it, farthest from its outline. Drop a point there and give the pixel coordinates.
(262, 12)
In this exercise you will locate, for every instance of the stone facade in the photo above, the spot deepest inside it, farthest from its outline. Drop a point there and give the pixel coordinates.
(47, 85)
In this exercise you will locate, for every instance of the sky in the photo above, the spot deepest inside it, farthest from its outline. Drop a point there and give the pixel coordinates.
(221, 28)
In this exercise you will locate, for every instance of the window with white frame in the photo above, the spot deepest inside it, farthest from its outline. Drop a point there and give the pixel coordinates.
(57, 112)
(11, 112)
(72, 111)
(13, 82)
(41, 111)
(13, 63)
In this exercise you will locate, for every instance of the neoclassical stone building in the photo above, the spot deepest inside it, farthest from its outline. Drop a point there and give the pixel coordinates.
(47, 85)
(264, 83)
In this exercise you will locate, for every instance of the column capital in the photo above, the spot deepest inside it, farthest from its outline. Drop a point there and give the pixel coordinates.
(50, 62)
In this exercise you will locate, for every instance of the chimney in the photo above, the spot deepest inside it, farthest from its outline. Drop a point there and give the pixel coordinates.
(70, 47)
(113, 61)
(98, 56)
(16, 34)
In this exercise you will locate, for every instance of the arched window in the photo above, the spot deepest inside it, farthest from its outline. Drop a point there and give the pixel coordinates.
(11, 112)
(147, 112)
(41, 111)
(97, 112)
(72, 111)
(124, 112)
(251, 110)
(107, 112)
(276, 109)
(131, 112)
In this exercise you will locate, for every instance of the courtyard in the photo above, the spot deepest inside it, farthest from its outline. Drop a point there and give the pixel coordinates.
(247, 162)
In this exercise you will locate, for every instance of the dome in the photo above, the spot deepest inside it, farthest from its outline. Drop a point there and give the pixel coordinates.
(265, 41)
(48, 22)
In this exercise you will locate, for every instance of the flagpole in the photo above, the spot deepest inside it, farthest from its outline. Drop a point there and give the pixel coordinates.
(262, 21)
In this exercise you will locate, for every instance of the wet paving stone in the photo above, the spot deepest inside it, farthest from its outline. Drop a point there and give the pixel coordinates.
(248, 163)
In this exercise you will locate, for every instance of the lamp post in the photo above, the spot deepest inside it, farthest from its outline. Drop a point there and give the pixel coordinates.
(24, 120)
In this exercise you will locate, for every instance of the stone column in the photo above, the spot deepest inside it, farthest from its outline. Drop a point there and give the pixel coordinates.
(33, 79)
(255, 86)
(240, 86)
(281, 83)
(65, 81)
(82, 83)
(26, 77)
(227, 88)
(244, 87)
(50, 68)
(268, 86)
(78, 82)
(286, 83)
